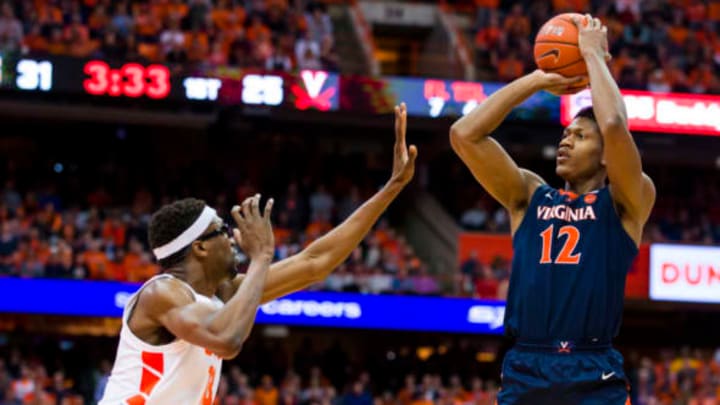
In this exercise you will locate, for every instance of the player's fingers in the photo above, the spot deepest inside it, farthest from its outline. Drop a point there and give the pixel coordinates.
(236, 214)
(577, 21)
(237, 235)
(412, 153)
(403, 124)
(246, 209)
(568, 81)
(597, 23)
(268, 209)
(256, 206)
(397, 125)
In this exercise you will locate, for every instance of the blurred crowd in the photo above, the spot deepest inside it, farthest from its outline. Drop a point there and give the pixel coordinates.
(684, 377)
(657, 45)
(39, 237)
(332, 376)
(277, 35)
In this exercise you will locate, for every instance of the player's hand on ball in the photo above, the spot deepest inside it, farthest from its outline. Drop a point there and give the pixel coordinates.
(557, 84)
(404, 157)
(592, 36)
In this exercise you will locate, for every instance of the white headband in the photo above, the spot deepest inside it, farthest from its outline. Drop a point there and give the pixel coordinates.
(187, 237)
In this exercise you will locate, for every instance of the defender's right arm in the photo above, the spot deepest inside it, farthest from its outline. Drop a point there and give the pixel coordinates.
(493, 168)
(223, 330)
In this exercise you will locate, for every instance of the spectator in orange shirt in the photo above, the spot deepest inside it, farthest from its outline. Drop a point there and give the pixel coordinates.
(256, 28)
(266, 393)
(516, 23)
(220, 14)
(510, 67)
(48, 14)
(147, 24)
(677, 33)
(34, 41)
(96, 261)
(98, 21)
(487, 37)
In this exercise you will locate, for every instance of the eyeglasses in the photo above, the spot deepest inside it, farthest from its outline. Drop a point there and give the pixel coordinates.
(223, 229)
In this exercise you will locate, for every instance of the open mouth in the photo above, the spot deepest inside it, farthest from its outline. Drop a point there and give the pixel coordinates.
(562, 155)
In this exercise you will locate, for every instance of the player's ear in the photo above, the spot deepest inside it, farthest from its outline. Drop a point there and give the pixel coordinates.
(198, 249)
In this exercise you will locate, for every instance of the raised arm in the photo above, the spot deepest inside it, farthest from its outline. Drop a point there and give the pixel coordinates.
(487, 160)
(321, 257)
(631, 188)
(224, 330)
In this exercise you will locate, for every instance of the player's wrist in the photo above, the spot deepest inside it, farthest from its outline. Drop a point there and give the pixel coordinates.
(595, 52)
(536, 80)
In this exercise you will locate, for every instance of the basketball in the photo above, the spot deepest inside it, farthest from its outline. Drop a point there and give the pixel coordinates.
(557, 51)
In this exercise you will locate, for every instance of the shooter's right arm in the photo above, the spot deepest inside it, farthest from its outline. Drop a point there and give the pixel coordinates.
(493, 168)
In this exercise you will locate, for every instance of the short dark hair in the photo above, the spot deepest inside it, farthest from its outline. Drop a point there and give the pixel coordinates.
(587, 112)
(169, 222)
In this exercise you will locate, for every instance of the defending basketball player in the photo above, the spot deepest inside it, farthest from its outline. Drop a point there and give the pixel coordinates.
(573, 246)
(180, 324)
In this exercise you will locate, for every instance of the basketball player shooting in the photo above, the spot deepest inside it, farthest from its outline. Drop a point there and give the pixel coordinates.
(180, 324)
(572, 246)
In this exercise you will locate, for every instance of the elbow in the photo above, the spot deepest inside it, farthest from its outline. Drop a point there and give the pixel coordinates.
(457, 134)
(229, 348)
(229, 352)
(460, 135)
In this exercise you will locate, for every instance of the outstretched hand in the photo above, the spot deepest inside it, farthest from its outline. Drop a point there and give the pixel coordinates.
(404, 157)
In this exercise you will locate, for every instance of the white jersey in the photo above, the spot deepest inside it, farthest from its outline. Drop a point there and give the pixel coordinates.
(174, 373)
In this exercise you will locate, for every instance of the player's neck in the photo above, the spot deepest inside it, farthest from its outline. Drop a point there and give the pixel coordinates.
(193, 274)
(582, 186)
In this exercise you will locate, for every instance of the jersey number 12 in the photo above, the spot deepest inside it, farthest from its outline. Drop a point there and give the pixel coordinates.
(566, 256)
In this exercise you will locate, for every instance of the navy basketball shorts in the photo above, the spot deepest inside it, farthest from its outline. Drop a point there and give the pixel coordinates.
(563, 377)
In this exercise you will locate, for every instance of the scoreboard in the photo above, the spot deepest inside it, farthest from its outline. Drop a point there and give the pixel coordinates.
(326, 91)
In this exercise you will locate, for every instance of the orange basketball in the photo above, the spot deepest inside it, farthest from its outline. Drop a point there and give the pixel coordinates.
(557, 51)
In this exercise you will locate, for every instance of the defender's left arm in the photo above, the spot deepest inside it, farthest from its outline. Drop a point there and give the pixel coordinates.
(632, 189)
(321, 257)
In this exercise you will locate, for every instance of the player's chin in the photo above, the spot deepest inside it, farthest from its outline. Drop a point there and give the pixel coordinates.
(563, 170)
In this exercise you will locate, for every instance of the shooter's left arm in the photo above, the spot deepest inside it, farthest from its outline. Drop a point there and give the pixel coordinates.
(631, 188)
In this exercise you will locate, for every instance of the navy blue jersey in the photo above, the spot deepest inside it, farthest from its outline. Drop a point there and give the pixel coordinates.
(571, 256)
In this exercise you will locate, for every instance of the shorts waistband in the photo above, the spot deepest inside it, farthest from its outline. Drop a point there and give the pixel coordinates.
(562, 346)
